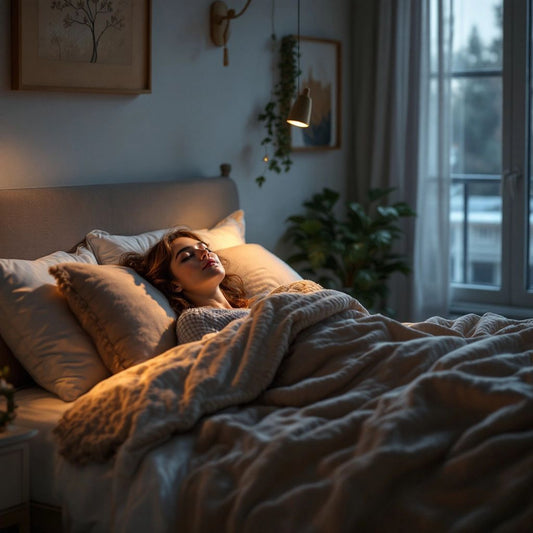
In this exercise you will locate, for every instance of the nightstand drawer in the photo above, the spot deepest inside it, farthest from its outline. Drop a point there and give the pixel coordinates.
(13, 465)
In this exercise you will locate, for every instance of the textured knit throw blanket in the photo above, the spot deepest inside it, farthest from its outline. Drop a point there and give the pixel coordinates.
(341, 420)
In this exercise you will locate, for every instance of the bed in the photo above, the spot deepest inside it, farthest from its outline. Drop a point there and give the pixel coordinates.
(306, 414)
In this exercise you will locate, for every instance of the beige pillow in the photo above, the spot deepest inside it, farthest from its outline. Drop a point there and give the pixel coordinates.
(40, 330)
(128, 319)
(108, 248)
(260, 270)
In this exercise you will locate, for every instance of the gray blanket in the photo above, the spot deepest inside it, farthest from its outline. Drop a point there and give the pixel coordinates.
(313, 415)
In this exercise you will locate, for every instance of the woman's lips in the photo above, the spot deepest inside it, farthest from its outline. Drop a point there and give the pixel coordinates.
(209, 263)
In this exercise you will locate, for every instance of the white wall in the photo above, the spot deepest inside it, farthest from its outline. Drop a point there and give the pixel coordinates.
(198, 115)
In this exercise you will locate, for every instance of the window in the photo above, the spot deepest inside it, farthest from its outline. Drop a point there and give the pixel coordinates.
(491, 198)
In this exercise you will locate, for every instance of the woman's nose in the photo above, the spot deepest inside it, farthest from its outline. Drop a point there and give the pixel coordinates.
(202, 253)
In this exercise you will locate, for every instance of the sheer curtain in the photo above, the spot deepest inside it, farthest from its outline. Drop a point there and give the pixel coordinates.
(402, 53)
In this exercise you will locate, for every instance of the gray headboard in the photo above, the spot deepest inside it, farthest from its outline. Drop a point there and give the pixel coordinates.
(38, 221)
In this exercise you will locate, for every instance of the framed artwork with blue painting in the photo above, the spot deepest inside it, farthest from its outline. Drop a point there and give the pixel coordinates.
(320, 66)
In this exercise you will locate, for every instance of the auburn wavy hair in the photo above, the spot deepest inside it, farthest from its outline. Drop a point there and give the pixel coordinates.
(154, 266)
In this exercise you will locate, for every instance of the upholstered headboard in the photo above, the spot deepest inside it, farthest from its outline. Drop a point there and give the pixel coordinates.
(38, 221)
(34, 222)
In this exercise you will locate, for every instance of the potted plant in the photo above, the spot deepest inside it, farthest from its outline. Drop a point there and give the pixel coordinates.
(7, 391)
(355, 253)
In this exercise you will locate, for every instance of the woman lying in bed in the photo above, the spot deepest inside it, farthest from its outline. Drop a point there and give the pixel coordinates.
(195, 282)
(310, 414)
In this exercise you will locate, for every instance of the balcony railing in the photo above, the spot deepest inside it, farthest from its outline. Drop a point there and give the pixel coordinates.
(475, 219)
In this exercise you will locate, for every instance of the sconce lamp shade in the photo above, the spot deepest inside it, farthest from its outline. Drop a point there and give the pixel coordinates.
(300, 115)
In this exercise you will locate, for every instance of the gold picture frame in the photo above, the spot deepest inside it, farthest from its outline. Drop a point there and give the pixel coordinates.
(320, 67)
(58, 45)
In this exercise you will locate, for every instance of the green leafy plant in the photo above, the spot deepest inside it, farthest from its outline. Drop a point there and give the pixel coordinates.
(353, 254)
(274, 115)
(7, 391)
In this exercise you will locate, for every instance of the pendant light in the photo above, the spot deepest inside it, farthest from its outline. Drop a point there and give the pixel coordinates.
(300, 114)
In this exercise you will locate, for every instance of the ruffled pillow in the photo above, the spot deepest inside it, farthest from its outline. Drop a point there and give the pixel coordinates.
(128, 319)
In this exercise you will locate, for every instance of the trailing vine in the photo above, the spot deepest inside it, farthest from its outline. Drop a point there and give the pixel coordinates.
(278, 134)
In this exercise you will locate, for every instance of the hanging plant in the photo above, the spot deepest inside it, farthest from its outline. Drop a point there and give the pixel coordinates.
(278, 133)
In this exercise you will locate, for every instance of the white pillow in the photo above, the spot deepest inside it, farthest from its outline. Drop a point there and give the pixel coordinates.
(37, 325)
(128, 319)
(260, 270)
(108, 248)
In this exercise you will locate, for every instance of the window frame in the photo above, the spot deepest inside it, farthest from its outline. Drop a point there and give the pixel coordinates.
(512, 298)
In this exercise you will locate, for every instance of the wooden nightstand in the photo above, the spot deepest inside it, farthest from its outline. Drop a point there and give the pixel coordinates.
(15, 479)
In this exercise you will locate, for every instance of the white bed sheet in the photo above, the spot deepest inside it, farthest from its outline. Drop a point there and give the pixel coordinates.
(149, 504)
(40, 409)
(85, 493)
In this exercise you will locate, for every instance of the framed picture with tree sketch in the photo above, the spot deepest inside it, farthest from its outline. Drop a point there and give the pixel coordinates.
(90, 45)
(320, 66)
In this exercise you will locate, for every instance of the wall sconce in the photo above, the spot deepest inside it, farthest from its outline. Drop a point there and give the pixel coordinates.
(300, 113)
(220, 17)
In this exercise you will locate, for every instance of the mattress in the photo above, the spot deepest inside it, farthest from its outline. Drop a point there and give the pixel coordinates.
(39, 409)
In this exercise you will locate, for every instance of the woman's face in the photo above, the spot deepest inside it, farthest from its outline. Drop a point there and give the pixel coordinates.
(195, 267)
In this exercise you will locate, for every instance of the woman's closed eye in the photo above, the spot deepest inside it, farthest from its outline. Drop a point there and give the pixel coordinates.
(185, 255)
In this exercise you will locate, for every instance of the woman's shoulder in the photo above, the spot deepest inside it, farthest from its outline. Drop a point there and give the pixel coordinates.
(207, 311)
(195, 322)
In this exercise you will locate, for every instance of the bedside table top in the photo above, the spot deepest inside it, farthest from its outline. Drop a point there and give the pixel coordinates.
(13, 434)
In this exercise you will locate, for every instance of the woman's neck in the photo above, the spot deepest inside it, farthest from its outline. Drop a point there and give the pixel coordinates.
(217, 300)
